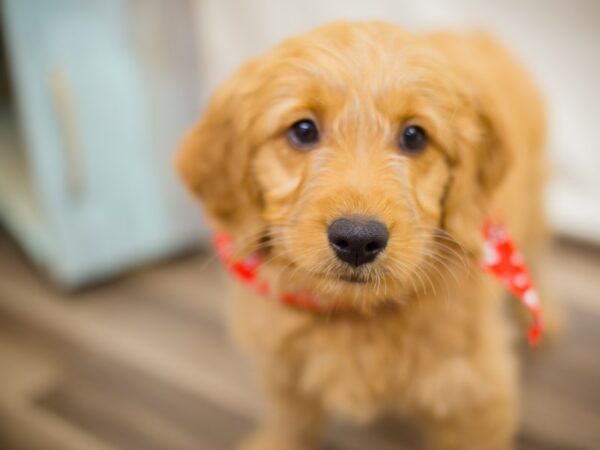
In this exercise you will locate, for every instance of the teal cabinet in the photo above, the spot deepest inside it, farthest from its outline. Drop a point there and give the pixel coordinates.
(104, 90)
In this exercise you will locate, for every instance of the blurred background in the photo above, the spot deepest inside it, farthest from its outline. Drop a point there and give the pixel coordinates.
(111, 328)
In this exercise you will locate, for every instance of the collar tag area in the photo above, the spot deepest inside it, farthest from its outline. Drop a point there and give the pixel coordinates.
(501, 259)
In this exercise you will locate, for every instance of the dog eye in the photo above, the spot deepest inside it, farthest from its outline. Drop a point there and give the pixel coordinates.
(303, 135)
(413, 139)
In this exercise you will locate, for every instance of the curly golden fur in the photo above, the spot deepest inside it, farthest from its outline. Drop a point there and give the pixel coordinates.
(427, 336)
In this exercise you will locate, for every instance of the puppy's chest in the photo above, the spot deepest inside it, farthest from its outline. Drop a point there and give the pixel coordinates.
(362, 368)
(355, 368)
(358, 368)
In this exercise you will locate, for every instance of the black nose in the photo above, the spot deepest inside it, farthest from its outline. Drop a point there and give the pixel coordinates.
(357, 241)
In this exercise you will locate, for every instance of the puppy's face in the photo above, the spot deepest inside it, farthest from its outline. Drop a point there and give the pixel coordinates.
(355, 154)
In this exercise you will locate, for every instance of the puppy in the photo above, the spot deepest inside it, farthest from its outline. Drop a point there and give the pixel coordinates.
(359, 161)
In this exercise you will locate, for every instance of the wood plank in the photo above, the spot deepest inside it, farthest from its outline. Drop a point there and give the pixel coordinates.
(131, 410)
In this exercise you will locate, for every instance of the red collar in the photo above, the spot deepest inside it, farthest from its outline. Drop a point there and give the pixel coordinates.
(501, 258)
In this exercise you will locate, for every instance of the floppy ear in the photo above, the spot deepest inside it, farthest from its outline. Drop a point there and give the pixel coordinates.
(494, 152)
(482, 167)
(214, 158)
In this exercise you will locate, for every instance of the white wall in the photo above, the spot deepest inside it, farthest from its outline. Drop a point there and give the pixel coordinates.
(557, 40)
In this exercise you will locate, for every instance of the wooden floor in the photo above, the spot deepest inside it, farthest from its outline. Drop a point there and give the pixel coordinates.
(145, 363)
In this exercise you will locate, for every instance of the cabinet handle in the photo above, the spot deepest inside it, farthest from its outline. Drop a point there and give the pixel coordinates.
(61, 91)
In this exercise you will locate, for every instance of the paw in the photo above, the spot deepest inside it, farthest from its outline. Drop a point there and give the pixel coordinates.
(264, 440)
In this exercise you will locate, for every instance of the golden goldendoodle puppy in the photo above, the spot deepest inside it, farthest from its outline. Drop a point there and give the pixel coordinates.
(358, 163)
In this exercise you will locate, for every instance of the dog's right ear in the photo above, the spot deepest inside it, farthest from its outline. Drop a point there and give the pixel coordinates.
(213, 159)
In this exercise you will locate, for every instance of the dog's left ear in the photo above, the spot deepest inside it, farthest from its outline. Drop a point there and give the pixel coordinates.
(478, 177)
(494, 151)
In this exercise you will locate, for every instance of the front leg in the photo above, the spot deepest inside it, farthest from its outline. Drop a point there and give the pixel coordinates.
(293, 420)
(488, 423)
(488, 426)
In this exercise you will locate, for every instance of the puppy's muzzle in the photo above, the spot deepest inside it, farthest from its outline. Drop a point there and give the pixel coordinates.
(357, 241)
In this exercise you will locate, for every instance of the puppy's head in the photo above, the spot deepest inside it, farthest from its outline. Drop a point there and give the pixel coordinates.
(356, 154)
